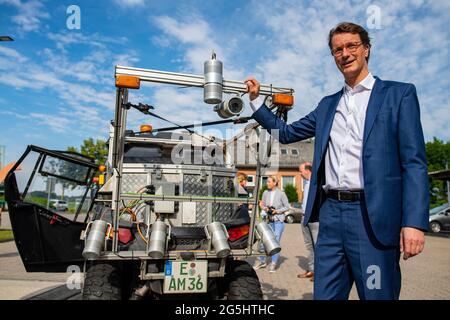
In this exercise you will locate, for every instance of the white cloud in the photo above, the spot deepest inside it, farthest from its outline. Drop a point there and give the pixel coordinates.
(411, 46)
(56, 123)
(11, 53)
(66, 39)
(196, 40)
(30, 14)
(130, 3)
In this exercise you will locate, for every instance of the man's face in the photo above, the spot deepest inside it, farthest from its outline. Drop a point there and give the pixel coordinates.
(303, 172)
(349, 62)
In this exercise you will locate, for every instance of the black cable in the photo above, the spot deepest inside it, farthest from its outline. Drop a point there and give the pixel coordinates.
(205, 124)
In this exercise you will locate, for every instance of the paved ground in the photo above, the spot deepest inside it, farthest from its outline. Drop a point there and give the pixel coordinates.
(426, 276)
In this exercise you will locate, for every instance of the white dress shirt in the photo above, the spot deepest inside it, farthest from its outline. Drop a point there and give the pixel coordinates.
(343, 159)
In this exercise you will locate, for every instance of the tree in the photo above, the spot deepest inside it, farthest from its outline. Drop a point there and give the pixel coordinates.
(291, 193)
(261, 191)
(97, 150)
(438, 155)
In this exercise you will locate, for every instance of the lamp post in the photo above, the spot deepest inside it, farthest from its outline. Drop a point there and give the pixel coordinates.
(6, 38)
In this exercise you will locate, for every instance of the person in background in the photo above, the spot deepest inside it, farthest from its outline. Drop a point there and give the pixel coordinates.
(242, 185)
(311, 229)
(274, 204)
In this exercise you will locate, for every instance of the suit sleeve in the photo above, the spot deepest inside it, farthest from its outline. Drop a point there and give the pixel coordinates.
(415, 196)
(287, 133)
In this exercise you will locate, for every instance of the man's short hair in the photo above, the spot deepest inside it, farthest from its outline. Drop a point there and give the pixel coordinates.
(349, 27)
(307, 165)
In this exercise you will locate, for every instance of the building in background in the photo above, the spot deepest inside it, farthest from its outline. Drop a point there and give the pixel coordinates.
(289, 158)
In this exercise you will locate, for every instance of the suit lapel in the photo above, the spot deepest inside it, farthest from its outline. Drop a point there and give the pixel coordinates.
(375, 102)
(329, 120)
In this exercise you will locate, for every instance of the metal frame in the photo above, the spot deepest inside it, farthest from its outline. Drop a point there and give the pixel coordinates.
(190, 80)
(172, 78)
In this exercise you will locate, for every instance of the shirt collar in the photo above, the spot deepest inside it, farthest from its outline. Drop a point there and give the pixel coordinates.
(367, 83)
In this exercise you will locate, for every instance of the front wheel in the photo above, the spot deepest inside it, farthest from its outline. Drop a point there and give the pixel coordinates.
(102, 281)
(241, 281)
(435, 227)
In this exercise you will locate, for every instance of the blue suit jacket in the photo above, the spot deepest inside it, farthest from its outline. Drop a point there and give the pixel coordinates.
(393, 156)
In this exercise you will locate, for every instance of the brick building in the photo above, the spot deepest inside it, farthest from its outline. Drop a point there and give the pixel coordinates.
(287, 159)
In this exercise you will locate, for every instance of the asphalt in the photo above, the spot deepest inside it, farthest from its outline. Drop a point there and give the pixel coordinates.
(426, 276)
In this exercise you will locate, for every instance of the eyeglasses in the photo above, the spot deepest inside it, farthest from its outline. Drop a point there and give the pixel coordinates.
(351, 47)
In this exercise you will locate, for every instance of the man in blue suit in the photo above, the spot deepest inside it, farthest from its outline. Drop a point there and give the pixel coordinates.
(369, 185)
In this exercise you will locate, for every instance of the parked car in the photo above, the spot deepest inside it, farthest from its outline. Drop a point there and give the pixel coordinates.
(295, 213)
(59, 205)
(440, 218)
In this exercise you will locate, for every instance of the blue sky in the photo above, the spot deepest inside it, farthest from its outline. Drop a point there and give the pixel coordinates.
(57, 85)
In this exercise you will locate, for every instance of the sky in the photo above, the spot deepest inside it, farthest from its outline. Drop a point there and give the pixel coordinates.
(57, 77)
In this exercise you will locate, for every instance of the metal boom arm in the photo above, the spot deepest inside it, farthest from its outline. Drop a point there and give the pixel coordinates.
(190, 80)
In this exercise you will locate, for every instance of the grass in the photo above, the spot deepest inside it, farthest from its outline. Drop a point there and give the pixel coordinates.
(6, 235)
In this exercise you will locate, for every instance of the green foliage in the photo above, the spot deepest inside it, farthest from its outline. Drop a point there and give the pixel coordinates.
(97, 150)
(291, 193)
(438, 154)
(261, 191)
(6, 235)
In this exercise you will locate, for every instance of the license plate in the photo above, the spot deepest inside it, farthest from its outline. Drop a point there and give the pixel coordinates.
(185, 276)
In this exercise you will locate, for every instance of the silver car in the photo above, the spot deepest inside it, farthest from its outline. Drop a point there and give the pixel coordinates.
(295, 213)
(440, 218)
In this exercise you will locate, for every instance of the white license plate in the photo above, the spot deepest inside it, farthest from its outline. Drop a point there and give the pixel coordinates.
(185, 276)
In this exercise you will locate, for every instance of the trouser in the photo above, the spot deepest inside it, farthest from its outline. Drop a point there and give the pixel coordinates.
(347, 251)
(312, 229)
(278, 228)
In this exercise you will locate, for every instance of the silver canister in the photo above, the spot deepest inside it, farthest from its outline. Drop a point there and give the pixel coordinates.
(158, 240)
(213, 72)
(267, 236)
(219, 239)
(97, 232)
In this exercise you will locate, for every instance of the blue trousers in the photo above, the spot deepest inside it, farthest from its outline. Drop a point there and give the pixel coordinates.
(347, 252)
(278, 228)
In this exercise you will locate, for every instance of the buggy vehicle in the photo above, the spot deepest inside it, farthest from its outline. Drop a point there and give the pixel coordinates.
(165, 222)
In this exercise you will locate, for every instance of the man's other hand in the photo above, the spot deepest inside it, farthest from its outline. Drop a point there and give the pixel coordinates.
(412, 241)
(253, 87)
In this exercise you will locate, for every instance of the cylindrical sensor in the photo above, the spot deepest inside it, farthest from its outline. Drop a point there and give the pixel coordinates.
(95, 240)
(229, 108)
(265, 232)
(213, 72)
(158, 240)
(219, 239)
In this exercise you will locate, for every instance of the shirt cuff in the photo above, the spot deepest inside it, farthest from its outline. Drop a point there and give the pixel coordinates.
(256, 104)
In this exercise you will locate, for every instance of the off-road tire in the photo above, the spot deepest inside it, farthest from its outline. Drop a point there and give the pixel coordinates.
(102, 281)
(241, 281)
